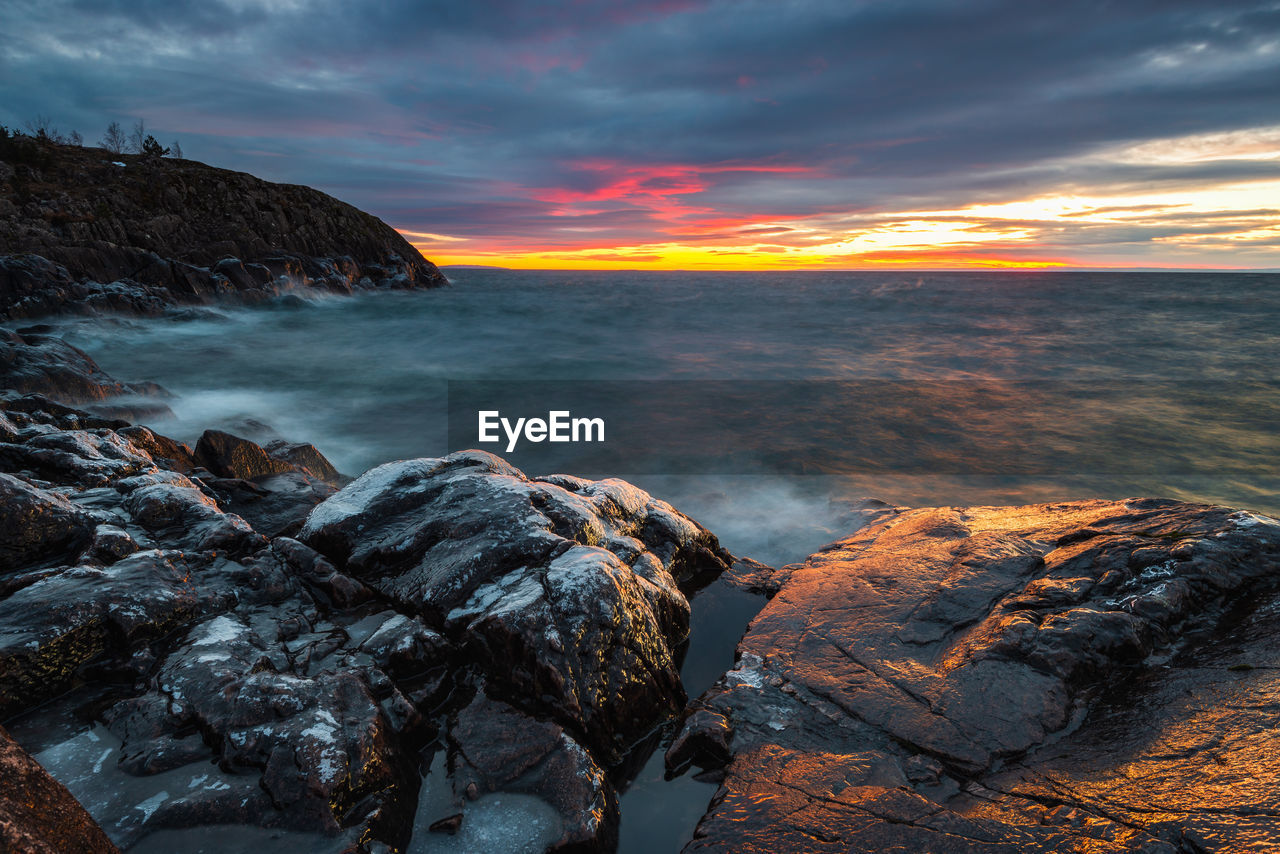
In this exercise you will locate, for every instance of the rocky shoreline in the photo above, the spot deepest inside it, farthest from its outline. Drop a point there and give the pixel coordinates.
(234, 635)
(532, 622)
(1088, 676)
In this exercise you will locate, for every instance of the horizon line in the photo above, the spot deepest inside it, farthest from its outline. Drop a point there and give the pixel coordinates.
(1006, 269)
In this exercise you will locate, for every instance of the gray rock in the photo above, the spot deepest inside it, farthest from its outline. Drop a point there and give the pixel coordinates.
(566, 592)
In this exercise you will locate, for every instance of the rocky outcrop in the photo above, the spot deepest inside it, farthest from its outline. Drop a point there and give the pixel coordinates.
(1091, 676)
(254, 678)
(569, 589)
(82, 230)
(37, 813)
(43, 364)
(564, 597)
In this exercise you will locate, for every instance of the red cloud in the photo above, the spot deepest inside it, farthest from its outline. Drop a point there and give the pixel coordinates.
(654, 186)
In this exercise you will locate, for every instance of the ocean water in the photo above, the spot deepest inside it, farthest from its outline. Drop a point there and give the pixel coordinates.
(783, 398)
(764, 405)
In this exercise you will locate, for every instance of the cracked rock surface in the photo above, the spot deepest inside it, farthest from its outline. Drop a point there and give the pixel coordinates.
(1092, 676)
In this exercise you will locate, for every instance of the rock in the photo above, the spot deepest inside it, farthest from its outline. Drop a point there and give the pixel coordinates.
(967, 680)
(35, 413)
(269, 489)
(306, 457)
(83, 235)
(322, 743)
(50, 628)
(37, 813)
(37, 525)
(755, 577)
(268, 684)
(565, 591)
(230, 456)
(174, 507)
(170, 453)
(448, 824)
(562, 599)
(46, 365)
(497, 748)
(8, 430)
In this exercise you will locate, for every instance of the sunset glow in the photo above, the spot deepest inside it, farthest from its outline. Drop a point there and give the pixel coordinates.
(1203, 227)
(713, 135)
(1219, 224)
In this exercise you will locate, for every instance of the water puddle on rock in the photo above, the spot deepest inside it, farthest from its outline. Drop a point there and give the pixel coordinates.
(659, 815)
(514, 823)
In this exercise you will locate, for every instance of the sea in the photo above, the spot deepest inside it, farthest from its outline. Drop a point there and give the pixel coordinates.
(767, 406)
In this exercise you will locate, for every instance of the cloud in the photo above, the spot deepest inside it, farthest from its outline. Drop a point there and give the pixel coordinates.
(520, 126)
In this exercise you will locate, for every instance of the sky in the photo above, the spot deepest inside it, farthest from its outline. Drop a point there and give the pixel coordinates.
(683, 134)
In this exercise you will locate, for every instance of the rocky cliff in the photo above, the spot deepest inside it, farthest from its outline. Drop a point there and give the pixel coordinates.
(85, 230)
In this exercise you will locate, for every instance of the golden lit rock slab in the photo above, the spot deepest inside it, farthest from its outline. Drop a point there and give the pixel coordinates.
(1067, 677)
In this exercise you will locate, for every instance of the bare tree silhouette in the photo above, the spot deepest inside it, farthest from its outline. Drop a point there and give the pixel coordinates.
(114, 139)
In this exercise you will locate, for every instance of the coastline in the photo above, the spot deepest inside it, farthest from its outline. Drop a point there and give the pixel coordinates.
(231, 633)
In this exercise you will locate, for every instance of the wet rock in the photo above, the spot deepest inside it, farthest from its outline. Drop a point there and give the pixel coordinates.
(448, 824)
(276, 505)
(495, 747)
(8, 430)
(945, 680)
(94, 457)
(37, 526)
(169, 453)
(260, 680)
(52, 627)
(175, 508)
(230, 456)
(703, 740)
(47, 365)
(25, 411)
(323, 730)
(306, 457)
(271, 490)
(110, 544)
(566, 591)
(37, 814)
(755, 577)
(320, 575)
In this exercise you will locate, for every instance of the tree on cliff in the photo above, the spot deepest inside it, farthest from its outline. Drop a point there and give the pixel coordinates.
(138, 137)
(152, 148)
(175, 150)
(114, 139)
(41, 127)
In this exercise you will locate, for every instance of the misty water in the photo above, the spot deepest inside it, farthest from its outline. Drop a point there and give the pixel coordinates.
(914, 388)
(1188, 362)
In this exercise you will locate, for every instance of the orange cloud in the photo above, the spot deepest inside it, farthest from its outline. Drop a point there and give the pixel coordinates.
(664, 217)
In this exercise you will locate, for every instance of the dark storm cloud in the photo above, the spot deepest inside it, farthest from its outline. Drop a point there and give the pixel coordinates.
(488, 118)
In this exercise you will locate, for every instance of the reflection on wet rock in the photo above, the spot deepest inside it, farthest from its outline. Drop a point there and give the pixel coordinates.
(1040, 678)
